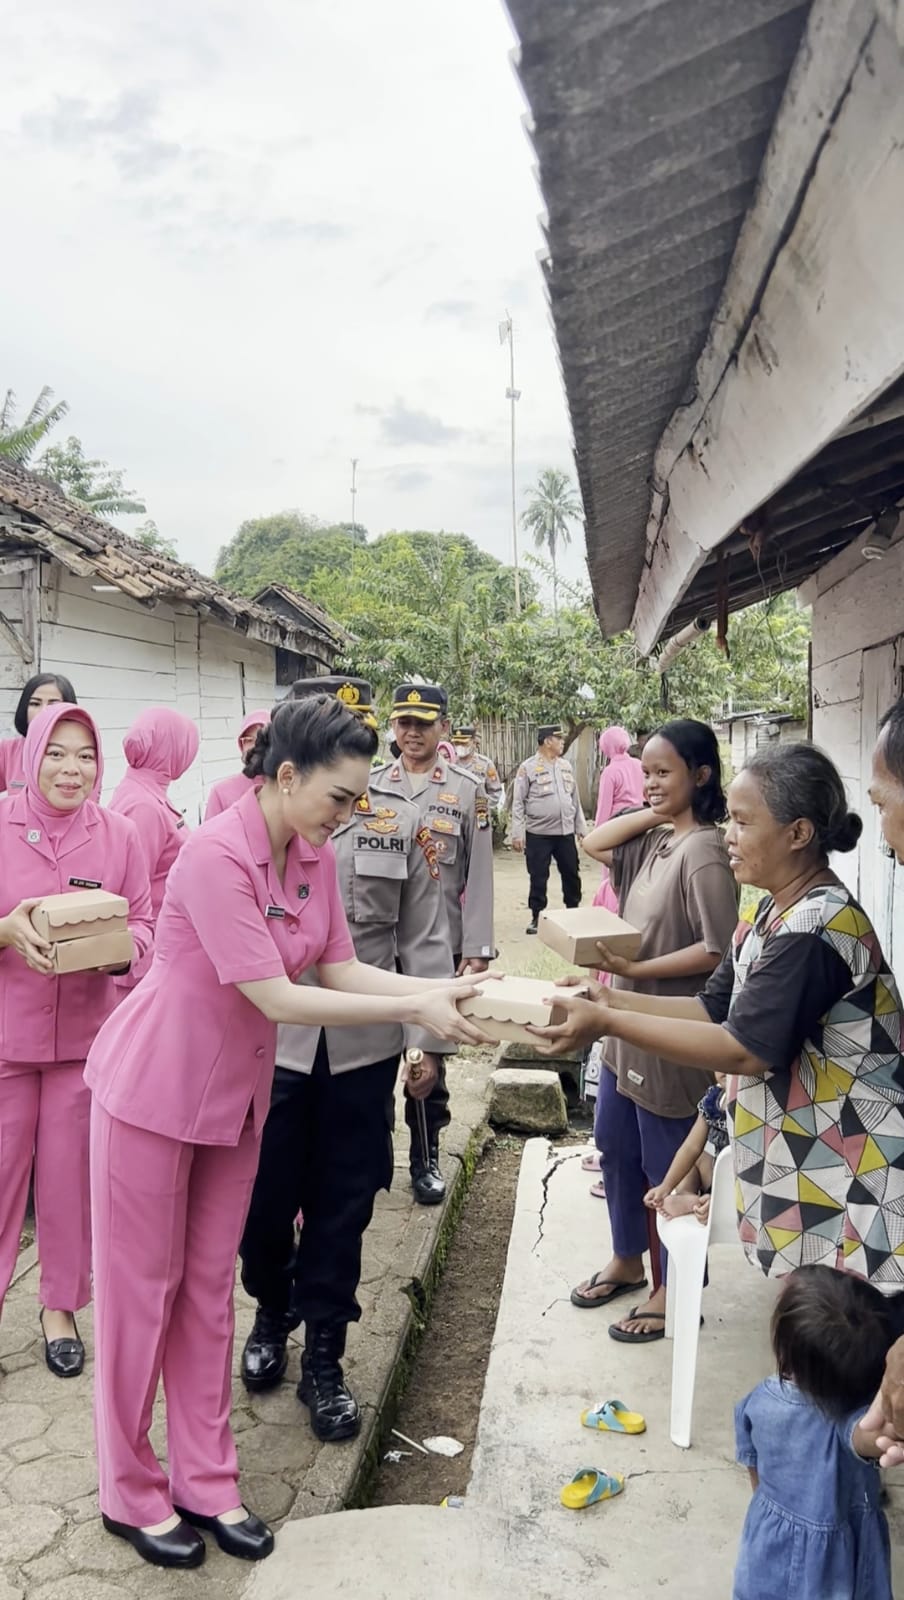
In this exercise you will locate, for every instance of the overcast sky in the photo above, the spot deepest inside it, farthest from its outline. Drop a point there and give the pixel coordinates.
(248, 242)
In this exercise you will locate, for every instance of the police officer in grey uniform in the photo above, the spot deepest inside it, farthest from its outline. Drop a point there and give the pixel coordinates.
(454, 808)
(546, 816)
(327, 1143)
(467, 755)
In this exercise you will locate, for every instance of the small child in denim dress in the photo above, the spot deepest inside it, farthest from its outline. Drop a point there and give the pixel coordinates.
(814, 1530)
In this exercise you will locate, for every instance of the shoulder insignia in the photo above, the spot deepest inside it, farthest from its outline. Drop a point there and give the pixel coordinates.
(437, 775)
(395, 775)
(429, 848)
(363, 804)
(482, 811)
(491, 771)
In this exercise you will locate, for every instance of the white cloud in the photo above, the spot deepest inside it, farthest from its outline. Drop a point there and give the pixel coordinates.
(248, 243)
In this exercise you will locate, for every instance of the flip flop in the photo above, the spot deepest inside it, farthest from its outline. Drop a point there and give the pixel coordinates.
(598, 1190)
(590, 1303)
(610, 1416)
(652, 1334)
(588, 1486)
(591, 1163)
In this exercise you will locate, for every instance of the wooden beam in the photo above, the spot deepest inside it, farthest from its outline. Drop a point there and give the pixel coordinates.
(815, 347)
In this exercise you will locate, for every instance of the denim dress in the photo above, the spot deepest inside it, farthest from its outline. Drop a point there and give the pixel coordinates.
(814, 1530)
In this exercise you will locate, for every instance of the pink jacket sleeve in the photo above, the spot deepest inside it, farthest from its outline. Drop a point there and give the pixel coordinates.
(606, 796)
(135, 885)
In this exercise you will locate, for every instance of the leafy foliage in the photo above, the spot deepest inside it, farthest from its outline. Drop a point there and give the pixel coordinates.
(287, 548)
(93, 484)
(19, 440)
(553, 505)
(149, 534)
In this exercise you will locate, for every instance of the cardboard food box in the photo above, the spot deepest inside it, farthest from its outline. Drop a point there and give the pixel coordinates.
(93, 951)
(80, 914)
(573, 934)
(502, 1008)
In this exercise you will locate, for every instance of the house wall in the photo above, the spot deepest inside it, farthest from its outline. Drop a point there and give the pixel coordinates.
(123, 657)
(751, 735)
(858, 672)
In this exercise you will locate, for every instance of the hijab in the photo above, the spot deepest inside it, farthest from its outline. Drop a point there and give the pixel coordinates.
(160, 745)
(53, 823)
(614, 742)
(254, 719)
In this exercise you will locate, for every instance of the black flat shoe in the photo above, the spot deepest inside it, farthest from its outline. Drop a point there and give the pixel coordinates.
(250, 1540)
(181, 1547)
(64, 1357)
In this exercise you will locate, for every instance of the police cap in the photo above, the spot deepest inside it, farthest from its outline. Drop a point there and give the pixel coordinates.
(423, 701)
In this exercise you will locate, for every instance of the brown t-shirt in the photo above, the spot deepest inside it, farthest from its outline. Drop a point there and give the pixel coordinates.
(676, 892)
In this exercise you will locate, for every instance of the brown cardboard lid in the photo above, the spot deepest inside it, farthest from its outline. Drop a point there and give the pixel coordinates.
(586, 922)
(517, 1000)
(82, 905)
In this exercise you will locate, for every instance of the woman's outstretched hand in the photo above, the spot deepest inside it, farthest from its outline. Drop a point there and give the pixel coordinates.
(436, 1011)
(585, 1020)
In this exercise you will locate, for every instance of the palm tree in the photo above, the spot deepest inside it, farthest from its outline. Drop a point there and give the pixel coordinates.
(18, 441)
(553, 504)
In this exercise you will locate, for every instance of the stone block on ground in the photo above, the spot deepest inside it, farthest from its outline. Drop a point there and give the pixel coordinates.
(528, 1100)
(516, 1050)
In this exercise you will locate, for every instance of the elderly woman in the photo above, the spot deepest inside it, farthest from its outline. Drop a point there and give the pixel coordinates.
(806, 1017)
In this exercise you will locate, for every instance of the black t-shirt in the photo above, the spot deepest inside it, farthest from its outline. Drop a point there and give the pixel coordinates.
(797, 979)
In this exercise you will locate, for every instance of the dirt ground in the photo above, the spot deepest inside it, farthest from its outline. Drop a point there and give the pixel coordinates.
(443, 1394)
(444, 1391)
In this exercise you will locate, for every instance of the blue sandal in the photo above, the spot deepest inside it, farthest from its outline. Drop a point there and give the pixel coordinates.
(588, 1486)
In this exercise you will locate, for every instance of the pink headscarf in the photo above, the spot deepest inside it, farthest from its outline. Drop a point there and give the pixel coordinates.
(254, 719)
(53, 822)
(160, 745)
(615, 741)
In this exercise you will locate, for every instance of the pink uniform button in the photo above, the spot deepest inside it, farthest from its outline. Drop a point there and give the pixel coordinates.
(259, 1052)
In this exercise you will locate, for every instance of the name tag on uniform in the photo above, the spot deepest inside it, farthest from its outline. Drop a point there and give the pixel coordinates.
(85, 883)
(390, 844)
(275, 911)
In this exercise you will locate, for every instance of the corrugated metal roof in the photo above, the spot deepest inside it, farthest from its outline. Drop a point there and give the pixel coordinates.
(35, 514)
(650, 122)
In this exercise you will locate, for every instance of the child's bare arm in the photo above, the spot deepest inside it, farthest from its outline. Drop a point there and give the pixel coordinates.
(866, 1442)
(685, 1161)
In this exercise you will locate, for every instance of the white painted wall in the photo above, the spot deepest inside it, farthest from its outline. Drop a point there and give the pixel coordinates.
(858, 672)
(122, 658)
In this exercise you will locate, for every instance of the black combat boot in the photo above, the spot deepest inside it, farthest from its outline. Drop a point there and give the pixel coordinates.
(427, 1181)
(265, 1357)
(323, 1389)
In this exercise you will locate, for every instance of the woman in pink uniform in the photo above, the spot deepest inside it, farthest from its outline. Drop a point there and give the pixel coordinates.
(44, 689)
(160, 745)
(55, 837)
(181, 1076)
(225, 793)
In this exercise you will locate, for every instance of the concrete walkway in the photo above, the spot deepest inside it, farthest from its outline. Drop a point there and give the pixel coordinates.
(52, 1545)
(674, 1530)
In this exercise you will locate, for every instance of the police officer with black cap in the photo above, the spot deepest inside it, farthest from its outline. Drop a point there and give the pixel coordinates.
(327, 1143)
(455, 810)
(547, 817)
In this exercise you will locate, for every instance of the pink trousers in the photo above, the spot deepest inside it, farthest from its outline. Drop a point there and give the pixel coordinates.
(167, 1219)
(44, 1109)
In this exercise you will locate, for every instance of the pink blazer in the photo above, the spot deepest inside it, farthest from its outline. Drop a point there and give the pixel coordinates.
(55, 1019)
(12, 770)
(186, 1054)
(225, 793)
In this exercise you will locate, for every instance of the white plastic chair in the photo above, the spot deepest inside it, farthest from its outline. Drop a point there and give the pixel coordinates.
(687, 1242)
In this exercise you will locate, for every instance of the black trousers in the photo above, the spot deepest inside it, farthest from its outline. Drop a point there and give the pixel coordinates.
(540, 849)
(326, 1151)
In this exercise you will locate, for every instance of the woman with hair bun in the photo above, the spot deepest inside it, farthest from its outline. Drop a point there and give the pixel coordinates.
(181, 1077)
(805, 1017)
(44, 689)
(669, 869)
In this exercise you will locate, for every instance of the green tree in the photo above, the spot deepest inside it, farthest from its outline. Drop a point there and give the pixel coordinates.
(553, 505)
(287, 547)
(20, 439)
(93, 484)
(148, 533)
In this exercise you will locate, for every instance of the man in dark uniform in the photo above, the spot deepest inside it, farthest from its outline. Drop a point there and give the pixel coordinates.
(327, 1143)
(455, 810)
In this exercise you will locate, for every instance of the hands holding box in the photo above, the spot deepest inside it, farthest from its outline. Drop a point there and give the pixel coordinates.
(86, 930)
